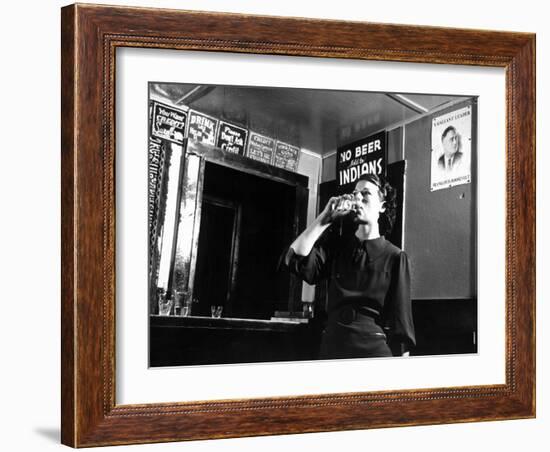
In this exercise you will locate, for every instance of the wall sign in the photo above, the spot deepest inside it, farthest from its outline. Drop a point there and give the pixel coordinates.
(155, 170)
(451, 149)
(168, 123)
(365, 156)
(202, 128)
(260, 148)
(286, 156)
(231, 138)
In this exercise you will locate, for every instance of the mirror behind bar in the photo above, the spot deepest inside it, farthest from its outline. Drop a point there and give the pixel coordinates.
(260, 208)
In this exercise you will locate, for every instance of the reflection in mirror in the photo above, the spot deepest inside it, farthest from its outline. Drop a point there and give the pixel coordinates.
(225, 223)
(188, 219)
(165, 212)
(217, 255)
(247, 221)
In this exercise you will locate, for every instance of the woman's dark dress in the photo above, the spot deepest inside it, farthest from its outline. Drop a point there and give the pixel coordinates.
(369, 307)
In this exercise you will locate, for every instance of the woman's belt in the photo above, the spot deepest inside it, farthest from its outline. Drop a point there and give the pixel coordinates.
(347, 313)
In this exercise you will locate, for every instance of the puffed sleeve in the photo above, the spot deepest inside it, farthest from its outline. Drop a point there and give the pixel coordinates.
(397, 306)
(311, 268)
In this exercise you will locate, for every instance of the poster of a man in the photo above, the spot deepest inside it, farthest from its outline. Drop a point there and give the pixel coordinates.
(451, 149)
(452, 156)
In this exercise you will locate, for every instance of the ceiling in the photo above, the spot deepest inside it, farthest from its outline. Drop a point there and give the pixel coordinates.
(316, 120)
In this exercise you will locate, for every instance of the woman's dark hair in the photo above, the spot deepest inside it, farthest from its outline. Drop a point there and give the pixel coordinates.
(388, 194)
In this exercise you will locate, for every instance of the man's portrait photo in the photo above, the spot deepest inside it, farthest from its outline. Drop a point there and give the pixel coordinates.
(452, 156)
(451, 149)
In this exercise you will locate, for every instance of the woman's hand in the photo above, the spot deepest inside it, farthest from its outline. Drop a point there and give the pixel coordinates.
(337, 207)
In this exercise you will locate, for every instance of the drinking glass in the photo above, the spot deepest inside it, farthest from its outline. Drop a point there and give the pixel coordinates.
(307, 308)
(180, 302)
(216, 311)
(165, 306)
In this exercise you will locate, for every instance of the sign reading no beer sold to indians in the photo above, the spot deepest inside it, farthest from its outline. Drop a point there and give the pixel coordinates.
(364, 156)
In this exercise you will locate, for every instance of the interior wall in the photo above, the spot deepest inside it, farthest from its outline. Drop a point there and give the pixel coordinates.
(440, 235)
(395, 145)
(328, 171)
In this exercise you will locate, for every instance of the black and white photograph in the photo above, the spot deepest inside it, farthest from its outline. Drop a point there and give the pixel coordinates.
(451, 149)
(292, 224)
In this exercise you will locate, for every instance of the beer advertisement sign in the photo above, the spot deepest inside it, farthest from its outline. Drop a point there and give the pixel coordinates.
(202, 128)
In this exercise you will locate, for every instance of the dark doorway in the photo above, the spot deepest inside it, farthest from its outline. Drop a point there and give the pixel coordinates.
(217, 254)
(246, 223)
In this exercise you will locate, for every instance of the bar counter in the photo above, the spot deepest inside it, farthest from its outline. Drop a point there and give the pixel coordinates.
(197, 340)
(222, 323)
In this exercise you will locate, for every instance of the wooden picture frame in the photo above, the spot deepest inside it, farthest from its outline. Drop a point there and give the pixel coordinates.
(90, 37)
